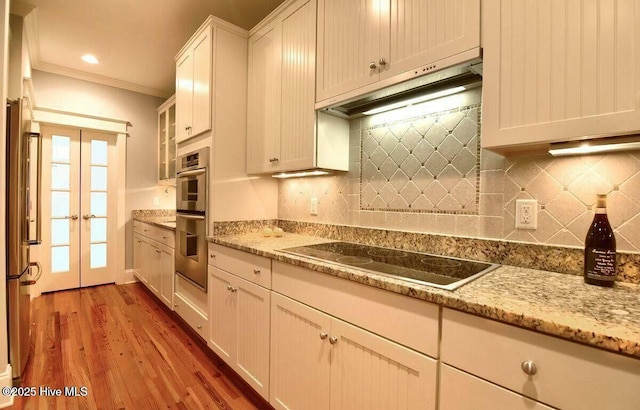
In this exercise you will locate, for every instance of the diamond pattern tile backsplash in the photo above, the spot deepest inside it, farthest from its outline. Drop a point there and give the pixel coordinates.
(564, 187)
(428, 163)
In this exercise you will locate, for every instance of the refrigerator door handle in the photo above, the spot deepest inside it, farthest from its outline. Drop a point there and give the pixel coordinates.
(38, 208)
(34, 280)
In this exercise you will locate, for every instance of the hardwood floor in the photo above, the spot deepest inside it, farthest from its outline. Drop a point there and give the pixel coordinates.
(130, 353)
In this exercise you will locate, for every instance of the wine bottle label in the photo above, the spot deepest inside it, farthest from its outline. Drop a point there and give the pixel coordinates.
(601, 264)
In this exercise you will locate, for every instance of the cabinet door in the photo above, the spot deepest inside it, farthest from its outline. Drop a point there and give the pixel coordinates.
(222, 314)
(162, 146)
(369, 372)
(155, 266)
(462, 391)
(202, 67)
(559, 70)
(167, 276)
(426, 31)
(253, 310)
(144, 260)
(264, 103)
(184, 97)
(348, 42)
(299, 356)
(297, 139)
(137, 255)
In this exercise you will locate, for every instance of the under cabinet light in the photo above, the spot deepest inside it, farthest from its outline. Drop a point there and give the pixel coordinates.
(315, 172)
(415, 100)
(612, 144)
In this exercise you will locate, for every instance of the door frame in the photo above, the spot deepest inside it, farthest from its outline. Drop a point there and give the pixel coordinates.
(109, 125)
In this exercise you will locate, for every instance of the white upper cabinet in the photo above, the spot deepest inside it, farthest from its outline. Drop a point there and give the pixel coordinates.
(370, 44)
(559, 70)
(284, 133)
(193, 85)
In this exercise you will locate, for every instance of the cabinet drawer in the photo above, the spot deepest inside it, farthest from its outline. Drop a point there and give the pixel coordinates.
(164, 236)
(254, 268)
(141, 228)
(408, 321)
(478, 394)
(568, 375)
(190, 314)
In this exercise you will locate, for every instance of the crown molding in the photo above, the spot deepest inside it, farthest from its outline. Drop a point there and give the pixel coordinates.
(100, 79)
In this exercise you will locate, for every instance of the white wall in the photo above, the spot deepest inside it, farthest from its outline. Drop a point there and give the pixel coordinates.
(69, 94)
(5, 379)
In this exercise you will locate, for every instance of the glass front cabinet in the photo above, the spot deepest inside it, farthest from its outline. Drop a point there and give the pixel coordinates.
(167, 142)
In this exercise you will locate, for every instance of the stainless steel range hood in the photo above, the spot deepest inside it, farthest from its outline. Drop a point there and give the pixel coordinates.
(468, 75)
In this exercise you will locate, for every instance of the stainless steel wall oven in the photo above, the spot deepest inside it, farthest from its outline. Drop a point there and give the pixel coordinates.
(192, 180)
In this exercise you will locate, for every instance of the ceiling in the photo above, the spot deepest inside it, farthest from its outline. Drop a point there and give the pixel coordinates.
(134, 40)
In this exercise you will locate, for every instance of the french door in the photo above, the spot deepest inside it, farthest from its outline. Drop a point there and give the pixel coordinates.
(79, 208)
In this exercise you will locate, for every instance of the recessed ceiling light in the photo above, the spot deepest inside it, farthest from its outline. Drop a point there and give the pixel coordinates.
(89, 58)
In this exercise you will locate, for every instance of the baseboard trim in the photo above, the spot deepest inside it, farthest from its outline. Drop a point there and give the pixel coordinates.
(6, 380)
(129, 276)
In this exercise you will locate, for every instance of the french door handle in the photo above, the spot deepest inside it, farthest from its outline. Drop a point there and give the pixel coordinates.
(73, 217)
(86, 216)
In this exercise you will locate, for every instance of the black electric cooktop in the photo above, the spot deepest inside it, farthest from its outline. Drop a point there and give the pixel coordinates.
(433, 270)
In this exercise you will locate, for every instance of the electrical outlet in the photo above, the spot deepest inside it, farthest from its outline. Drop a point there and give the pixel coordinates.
(156, 201)
(527, 214)
(313, 208)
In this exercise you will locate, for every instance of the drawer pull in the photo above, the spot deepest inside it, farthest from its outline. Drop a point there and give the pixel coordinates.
(157, 251)
(323, 335)
(176, 305)
(256, 271)
(213, 255)
(229, 287)
(529, 367)
(234, 290)
(333, 340)
(165, 237)
(199, 327)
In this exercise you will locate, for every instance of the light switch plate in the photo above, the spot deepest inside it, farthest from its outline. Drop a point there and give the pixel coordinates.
(527, 214)
(313, 208)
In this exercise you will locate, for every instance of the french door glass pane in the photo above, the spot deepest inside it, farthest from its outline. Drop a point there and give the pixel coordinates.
(99, 230)
(98, 255)
(60, 148)
(59, 232)
(59, 204)
(98, 178)
(60, 176)
(60, 259)
(99, 203)
(98, 152)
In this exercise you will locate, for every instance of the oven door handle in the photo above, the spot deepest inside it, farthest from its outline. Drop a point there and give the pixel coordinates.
(185, 174)
(196, 217)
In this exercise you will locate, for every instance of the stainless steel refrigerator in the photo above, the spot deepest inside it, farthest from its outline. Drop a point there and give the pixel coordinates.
(22, 230)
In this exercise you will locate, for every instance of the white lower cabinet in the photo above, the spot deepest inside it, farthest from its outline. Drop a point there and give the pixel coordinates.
(545, 369)
(153, 260)
(321, 362)
(239, 326)
(462, 391)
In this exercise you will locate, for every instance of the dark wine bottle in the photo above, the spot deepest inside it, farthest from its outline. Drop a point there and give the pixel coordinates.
(600, 248)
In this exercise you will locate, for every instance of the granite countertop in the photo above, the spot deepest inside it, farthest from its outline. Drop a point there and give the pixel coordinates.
(553, 303)
(165, 222)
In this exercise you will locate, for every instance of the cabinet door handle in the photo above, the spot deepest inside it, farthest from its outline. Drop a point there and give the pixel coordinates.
(229, 288)
(176, 305)
(529, 367)
(157, 251)
(274, 159)
(383, 62)
(333, 340)
(372, 65)
(199, 327)
(187, 127)
(256, 271)
(234, 290)
(165, 237)
(213, 255)
(323, 335)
